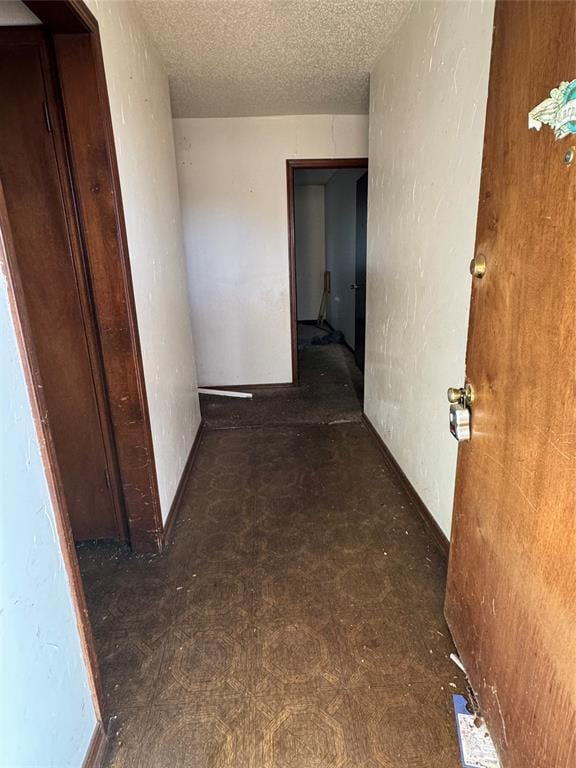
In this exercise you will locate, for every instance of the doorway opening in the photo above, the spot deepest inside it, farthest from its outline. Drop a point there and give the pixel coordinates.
(327, 208)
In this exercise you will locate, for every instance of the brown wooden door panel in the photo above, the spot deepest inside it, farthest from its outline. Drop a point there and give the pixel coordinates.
(511, 599)
(38, 203)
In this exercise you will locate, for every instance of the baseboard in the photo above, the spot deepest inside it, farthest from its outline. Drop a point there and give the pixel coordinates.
(177, 501)
(436, 532)
(249, 387)
(97, 748)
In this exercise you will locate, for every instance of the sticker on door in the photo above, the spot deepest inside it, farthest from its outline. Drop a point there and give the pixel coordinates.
(476, 746)
(558, 111)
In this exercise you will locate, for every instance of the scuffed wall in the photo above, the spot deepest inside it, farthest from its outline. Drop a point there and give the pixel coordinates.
(232, 174)
(46, 711)
(142, 123)
(427, 110)
(310, 251)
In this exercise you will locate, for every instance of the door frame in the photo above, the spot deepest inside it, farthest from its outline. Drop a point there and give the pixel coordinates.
(73, 34)
(309, 165)
(35, 37)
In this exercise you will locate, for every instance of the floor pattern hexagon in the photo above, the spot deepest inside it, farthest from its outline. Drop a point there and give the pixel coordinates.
(295, 619)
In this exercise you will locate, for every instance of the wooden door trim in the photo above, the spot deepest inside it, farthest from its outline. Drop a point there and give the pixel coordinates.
(94, 168)
(97, 748)
(291, 166)
(83, 282)
(64, 16)
(121, 356)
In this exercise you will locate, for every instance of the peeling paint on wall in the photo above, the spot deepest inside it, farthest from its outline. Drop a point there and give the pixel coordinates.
(427, 111)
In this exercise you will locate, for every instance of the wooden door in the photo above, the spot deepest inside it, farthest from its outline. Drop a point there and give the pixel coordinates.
(360, 271)
(511, 598)
(48, 252)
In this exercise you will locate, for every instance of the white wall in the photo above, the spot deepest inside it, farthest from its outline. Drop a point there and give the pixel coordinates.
(310, 249)
(232, 174)
(340, 206)
(15, 13)
(142, 122)
(427, 110)
(46, 712)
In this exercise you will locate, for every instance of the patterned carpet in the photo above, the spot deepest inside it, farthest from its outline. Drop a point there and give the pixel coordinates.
(295, 620)
(331, 389)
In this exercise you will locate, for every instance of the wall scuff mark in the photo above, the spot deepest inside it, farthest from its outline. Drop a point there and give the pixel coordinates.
(427, 110)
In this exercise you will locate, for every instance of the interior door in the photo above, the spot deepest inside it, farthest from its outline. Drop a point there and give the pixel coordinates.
(511, 598)
(360, 277)
(48, 252)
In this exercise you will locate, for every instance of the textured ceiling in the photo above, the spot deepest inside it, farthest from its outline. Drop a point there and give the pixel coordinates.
(230, 58)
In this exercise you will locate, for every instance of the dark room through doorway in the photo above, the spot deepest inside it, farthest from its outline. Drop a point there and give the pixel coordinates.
(329, 275)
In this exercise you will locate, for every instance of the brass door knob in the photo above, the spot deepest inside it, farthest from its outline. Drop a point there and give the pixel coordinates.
(455, 394)
(464, 395)
(478, 266)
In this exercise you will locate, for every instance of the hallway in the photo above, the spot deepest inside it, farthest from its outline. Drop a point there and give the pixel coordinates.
(237, 196)
(331, 389)
(295, 619)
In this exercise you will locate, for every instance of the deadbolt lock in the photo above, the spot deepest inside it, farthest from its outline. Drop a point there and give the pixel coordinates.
(460, 399)
(462, 395)
(478, 266)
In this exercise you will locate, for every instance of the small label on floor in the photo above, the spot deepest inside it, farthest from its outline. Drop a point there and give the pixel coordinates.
(476, 746)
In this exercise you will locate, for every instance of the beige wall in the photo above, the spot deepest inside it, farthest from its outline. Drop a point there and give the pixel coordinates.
(142, 122)
(427, 109)
(232, 174)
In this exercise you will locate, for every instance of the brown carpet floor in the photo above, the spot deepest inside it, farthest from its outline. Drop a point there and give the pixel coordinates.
(295, 620)
(331, 390)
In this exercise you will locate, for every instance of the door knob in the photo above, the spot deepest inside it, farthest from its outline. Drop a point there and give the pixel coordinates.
(354, 286)
(463, 395)
(455, 394)
(478, 266)
(461, 398)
